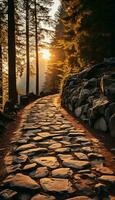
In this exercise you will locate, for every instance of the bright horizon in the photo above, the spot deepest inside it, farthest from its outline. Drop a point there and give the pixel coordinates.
(55, 7)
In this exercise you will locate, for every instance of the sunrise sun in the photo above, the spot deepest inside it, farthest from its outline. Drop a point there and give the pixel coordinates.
(46, 54)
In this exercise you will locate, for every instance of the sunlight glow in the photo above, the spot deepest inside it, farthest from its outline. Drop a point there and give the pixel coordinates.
(46, 54)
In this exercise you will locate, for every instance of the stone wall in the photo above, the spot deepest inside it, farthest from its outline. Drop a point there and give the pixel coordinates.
(90, 96)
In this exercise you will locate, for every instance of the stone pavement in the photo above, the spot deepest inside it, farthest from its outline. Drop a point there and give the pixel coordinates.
(53, 160)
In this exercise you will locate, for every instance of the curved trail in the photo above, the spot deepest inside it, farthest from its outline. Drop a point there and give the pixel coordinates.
(54, 158)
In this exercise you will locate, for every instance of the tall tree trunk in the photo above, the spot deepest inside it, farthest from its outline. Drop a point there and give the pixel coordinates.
(11, 53)
(1, 82)
(37, 57)
(27, 49)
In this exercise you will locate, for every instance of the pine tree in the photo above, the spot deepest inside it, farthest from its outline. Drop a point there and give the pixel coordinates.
(11, 53)
(3, 48)
(27, 49)
(89, 31)
(36, 49)
(1, 82)
(20, 33)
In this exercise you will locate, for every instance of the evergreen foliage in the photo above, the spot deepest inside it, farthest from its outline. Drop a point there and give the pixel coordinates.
(89, 31)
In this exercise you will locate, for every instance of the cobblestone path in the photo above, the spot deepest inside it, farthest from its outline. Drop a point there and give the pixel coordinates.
(53, 160)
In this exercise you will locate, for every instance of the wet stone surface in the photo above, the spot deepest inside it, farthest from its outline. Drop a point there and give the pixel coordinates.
(52, 160)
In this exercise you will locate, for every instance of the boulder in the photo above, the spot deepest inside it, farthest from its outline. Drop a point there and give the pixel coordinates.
(110, 93)
(24, 100)
(84, 94)
(99, 106)
(112, 125)
(108, 86)
(9, 107)
(112, 108)
(91, 83)
(78, 111)
(109, 111)
(100, 124)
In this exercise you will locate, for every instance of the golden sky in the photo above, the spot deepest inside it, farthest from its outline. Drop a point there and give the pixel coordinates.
(55, 7)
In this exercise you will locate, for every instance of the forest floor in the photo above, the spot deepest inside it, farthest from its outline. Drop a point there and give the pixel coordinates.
(46, 154)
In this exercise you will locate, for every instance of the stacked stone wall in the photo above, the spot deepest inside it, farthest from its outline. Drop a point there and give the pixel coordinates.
(90, 96)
